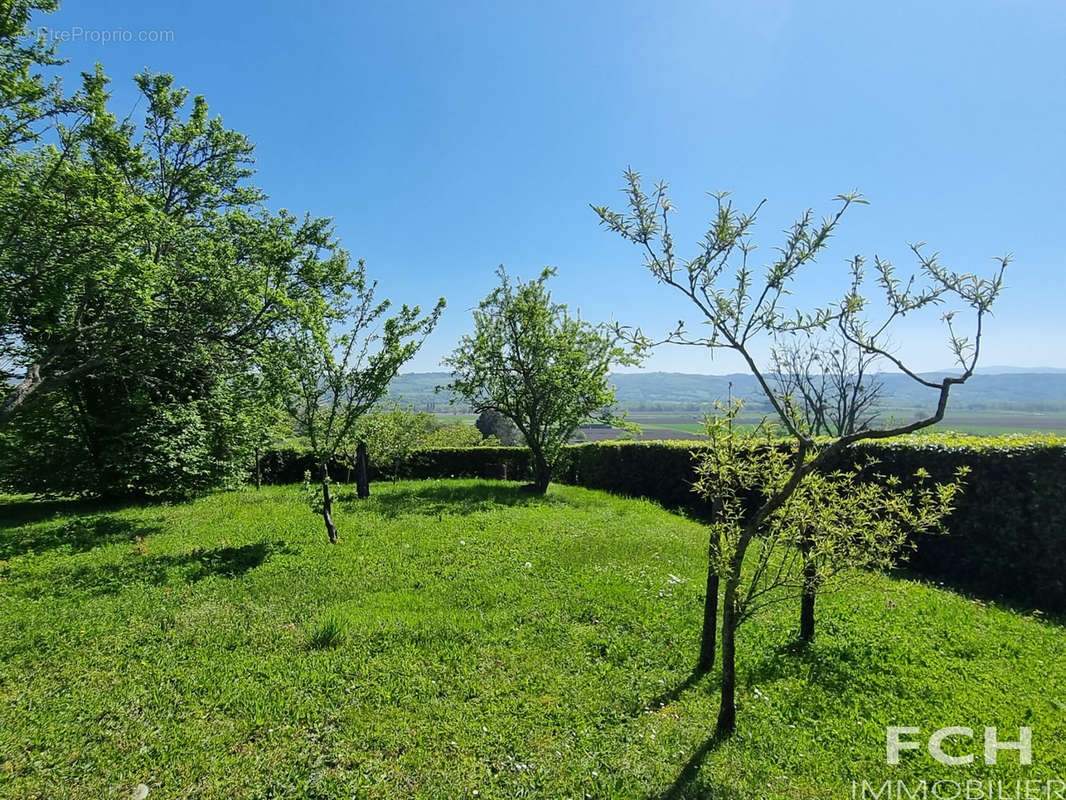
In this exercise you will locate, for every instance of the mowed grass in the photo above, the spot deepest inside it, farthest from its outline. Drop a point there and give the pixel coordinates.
(467, 640)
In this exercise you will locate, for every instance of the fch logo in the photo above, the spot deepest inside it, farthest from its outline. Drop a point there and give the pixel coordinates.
(895, 743)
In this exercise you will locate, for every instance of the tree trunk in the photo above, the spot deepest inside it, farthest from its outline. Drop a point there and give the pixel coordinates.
(362, 472)
(541, 474)
(258, 470)
(327, 507)
(710, 601)
(34, 387)
(727, 712)
(710, 617)
(19, 395)
(810, 589)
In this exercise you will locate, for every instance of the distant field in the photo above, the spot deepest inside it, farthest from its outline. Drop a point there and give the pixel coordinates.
(997, 422)
(456, 419)
(688, 424)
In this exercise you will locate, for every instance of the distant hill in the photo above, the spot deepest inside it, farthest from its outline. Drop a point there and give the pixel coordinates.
(1004, 391)
(418, 389)
(1006, 388)
(1002, 370)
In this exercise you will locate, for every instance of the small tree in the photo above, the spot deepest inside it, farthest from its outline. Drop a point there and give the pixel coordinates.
(543, 369)
(735, 312)
(457, 435)
(334, 380)
(386, 436)
(831, 385)
(830, 381)
(261, 421)
(492, 423)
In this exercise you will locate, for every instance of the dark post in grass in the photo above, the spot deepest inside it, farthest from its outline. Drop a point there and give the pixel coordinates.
(809, 590)
(327, 505)
(362, 472)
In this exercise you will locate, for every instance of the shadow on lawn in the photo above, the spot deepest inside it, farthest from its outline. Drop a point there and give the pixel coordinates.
(788, 660)
(687, 785)
(137, 569)
(430, 498)
(77, 534)
(15, 513)
(670, 695)
(840, 669)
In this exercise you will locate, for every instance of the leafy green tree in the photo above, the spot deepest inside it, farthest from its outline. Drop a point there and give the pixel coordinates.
(532, 362)
(735, 311)
(333, 380)
(492, 423)
(70, 224)
(258, 420)
(139, 271)
(387, 436)
(28, 103)
(456, 436)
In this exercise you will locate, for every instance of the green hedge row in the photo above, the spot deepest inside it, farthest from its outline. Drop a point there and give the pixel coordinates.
(1007, 537)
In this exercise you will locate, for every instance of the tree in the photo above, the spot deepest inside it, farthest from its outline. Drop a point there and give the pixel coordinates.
(492, 423)
(70, 222)
(385, 436)
(736, 311)
(458, 435)
(830, 381)
(259, 419)
(140, 271)
(28, 104)
(532, 362)
(333, 380)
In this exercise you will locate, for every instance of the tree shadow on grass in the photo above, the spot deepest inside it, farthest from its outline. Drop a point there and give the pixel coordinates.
(839, 668)
(670, 695)
(146, 569)
(848, 668)
(18, 511)
(688, 784)
(433, 499)
(77, 534)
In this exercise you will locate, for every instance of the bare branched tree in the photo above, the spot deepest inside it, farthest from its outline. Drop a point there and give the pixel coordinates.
(736, 309)
(832, 384)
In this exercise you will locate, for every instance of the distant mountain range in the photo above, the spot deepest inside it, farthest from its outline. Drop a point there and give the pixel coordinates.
(992, 388)
(1004, 370)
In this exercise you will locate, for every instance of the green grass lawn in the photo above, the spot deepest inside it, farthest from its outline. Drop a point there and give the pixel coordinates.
(465, 640)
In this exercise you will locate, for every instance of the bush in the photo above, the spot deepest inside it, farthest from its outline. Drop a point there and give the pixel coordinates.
(163, 450)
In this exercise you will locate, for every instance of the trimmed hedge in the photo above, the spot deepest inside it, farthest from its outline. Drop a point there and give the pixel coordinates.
(501, 463)
(1006, 538)
(1007, 535)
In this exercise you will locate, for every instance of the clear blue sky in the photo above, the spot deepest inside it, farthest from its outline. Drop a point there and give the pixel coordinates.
(446, 138)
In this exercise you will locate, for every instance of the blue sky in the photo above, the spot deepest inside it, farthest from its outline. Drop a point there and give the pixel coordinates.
(446, 138)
